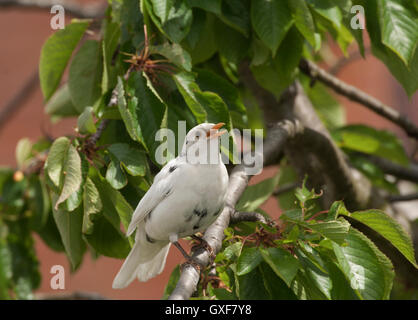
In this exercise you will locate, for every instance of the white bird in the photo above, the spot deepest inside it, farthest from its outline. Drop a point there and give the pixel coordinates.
(185, 198)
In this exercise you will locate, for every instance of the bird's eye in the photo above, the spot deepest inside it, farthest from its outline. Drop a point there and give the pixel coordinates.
(196, 137)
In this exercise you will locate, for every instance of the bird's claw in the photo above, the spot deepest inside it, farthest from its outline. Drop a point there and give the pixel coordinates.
(203, 244)
(192, 263)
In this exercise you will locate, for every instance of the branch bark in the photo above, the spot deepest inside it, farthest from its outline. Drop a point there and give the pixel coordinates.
(403, 197)
(404, 173)
(355, 94)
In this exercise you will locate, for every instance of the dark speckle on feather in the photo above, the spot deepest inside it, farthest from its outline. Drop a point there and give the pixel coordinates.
(200, 213)
(172, 168)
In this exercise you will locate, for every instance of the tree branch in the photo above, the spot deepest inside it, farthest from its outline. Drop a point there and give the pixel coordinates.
(404, 173)
(402, 197)
(355, 94)
(17, 101)
(92, 10)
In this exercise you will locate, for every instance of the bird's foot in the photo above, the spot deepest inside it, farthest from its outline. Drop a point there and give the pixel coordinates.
(191, 262)
(203, 244)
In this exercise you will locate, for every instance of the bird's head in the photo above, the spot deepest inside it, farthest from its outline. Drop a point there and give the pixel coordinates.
(203, 134)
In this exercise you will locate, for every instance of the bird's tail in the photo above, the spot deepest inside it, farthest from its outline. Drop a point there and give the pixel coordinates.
(145, 261)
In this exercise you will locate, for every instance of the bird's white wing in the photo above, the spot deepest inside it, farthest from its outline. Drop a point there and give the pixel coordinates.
(163, 184)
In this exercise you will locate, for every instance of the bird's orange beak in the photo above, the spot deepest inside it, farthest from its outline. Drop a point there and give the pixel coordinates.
(214, 132)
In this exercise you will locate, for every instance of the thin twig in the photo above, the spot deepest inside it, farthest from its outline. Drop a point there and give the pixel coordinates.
(409, 173)
(18, 100)
(402, 197)
(355, 94)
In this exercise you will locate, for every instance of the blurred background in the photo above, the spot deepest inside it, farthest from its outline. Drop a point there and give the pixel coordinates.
(24, 30)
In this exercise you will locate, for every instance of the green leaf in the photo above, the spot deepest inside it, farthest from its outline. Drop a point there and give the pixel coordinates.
(39, 203)
(55, 161)
(251, 287)
(328, 10)
(175, 54)
(345, 6)
(84, 79)
(133, 160)
(23, 151)
(172, 282)
(150, 111)
(282, 262)
(271, 21)
(248, 260)
(278, 73)
(92, 205)
(110, 42)
(368, 270)
(72, 175)
(128, 114)
(187, 86)
(327, 107)
(314, 272)
(128, 14)
(60, 104)
(233, 251)
(115, 175)
(85, 122)
(115, 207)
(50, 235)
(288, 175)
(215, 107)
(175, 16)
(213, 6)
(69, 225)
(407, 76)
(303, 20)
(204, 46)
(371, 141)
(256, 195)
(388, 228)
(107, 240)
(333, 230)
(341, 288)
(231, 43)
(399, 28)
(55, 54)
(275, 286)
(210, 81)
(6, 267)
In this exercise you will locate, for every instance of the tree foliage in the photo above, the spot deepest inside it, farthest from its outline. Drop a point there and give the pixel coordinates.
(155, 62)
